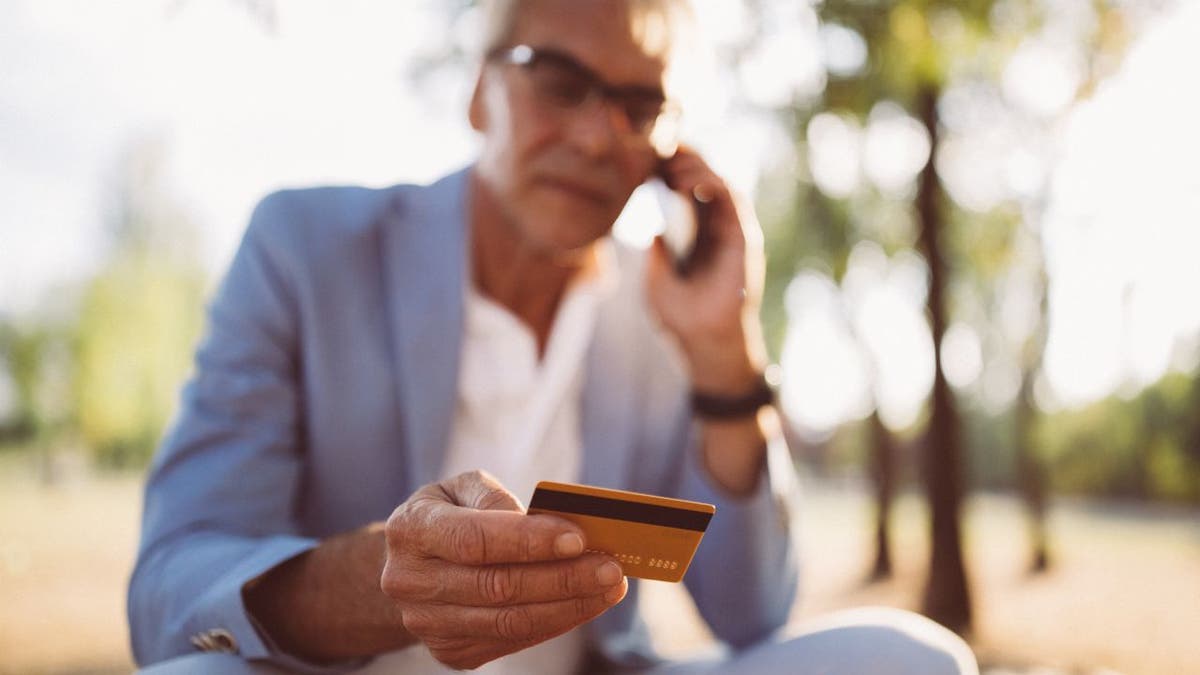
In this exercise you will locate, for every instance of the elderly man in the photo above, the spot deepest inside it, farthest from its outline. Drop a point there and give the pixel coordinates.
(425, 355)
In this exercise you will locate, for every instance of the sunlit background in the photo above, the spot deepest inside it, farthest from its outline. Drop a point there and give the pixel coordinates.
(135, 138)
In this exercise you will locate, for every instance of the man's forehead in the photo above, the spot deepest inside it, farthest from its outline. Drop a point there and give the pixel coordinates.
(626, 43)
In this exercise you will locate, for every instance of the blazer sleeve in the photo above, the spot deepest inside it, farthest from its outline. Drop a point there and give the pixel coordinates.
(220, 498)
(745, 574)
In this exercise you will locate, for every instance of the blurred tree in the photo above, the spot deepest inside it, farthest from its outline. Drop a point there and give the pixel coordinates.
(825, 241)
(908, 65)
(883, 475)
(35, 362)
(1095, 35)
(139, 316)
(22, 350)
(1098, 449)
(1031, 472)
(1191, 433)
(928, 56)
(947, 599)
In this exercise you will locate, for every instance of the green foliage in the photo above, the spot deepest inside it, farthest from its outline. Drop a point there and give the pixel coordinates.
(981, 244)
(1172, 473)
(1145, 447)
(1142, 447)
(138, 322)
(912, 44)
(991, 449)
(36, 372)
(108, 374)
(137, 319)
(22, 350)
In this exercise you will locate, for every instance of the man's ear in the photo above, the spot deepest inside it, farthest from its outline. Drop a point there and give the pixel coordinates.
(475, 112)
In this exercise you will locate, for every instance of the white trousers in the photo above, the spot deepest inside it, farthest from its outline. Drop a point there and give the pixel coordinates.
(868, 641)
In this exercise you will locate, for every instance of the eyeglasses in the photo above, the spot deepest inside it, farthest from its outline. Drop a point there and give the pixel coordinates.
(566, 84)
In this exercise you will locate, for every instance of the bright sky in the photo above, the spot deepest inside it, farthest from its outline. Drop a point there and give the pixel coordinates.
(242, 111)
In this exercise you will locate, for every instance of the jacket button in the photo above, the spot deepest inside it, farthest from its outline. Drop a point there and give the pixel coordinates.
(215, 640)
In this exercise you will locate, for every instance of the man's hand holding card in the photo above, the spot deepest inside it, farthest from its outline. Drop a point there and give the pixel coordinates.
(474, 578)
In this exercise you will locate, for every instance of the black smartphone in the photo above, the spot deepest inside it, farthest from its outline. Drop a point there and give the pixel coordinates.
(681, 229)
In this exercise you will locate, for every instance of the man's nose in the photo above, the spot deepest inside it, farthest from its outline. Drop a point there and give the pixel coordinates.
(597, 126)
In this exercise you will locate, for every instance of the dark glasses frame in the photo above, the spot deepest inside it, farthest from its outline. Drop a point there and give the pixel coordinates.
(643, 108)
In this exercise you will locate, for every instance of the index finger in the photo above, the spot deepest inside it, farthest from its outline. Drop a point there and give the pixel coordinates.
(473, 537)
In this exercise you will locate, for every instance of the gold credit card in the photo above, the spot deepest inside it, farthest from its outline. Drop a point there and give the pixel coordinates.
(652, 537)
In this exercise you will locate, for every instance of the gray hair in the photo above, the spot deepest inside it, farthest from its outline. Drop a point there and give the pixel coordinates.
(660, 25)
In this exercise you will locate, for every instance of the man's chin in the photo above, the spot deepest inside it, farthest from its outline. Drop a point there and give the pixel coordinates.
(550, 228)
(563, 246)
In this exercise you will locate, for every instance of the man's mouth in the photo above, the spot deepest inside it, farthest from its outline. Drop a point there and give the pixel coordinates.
(577, 189)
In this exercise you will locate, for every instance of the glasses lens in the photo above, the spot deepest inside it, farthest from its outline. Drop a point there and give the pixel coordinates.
(642, 111)
(559, 81)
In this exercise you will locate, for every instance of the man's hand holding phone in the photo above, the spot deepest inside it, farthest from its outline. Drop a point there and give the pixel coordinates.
(710, 303)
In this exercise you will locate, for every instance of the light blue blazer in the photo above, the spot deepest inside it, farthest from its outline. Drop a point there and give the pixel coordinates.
(323, 396)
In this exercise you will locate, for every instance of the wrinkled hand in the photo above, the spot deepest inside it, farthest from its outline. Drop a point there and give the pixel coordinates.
(476, 579)
(713, 310)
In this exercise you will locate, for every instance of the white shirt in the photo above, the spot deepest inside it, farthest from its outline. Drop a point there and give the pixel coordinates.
(518, 419)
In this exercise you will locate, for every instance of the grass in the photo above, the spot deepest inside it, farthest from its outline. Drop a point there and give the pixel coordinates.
(1124, 592)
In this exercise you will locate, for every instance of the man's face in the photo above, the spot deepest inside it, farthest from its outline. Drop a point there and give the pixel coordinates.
(561, 177)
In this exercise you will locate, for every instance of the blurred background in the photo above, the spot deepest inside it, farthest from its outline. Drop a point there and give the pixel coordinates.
(982, 219)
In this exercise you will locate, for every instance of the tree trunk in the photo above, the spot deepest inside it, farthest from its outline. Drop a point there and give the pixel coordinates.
(1031, 481)
(947, 599)
(1031, 474)
(883, 472)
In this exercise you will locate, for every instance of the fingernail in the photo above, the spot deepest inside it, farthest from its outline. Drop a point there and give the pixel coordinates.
(568, 544)
(615, 594)
(608, 574)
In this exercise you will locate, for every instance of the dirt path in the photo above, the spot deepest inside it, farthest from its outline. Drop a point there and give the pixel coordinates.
(1123, 595)
(65, 556)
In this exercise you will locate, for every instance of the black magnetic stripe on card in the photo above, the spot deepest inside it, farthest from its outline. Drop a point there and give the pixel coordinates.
(616, 509)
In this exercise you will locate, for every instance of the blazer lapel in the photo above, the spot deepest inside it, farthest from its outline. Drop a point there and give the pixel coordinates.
(425, 264)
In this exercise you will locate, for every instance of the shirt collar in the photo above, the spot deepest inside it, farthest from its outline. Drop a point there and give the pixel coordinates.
(601, 274)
